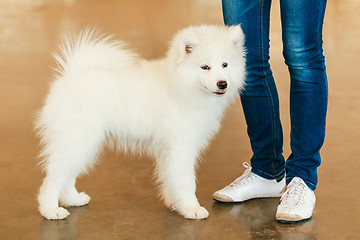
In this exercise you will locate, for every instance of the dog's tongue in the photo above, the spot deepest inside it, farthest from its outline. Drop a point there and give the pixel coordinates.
(222, 92)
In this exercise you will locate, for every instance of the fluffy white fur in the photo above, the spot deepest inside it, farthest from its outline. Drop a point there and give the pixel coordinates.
(168, 108)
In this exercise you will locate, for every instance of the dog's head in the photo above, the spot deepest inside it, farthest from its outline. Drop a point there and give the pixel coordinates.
(209, 59)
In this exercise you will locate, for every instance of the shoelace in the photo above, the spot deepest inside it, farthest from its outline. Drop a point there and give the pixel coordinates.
(294, 194)
(244, 176)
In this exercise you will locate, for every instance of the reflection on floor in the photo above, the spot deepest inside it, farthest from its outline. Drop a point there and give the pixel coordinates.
(124, 198)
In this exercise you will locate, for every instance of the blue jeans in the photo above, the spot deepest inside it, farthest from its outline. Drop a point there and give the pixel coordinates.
(302, 22)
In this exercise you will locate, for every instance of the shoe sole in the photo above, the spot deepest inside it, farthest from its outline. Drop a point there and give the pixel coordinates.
(226, 199)
(222, 198)
(289, 218)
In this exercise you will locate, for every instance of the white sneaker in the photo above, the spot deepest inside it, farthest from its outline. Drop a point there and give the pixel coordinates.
(249, 186)
(297, 203)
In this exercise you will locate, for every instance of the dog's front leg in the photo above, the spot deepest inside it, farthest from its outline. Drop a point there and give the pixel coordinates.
(176, 172)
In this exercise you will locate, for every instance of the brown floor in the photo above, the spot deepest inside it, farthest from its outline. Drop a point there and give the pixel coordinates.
(124, 199)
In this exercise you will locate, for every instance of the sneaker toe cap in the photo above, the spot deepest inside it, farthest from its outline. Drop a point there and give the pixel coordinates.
(292, 214)
(222, 198)
(288, 217)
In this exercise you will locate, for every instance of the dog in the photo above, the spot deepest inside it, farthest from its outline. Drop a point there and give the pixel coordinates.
(168, 108)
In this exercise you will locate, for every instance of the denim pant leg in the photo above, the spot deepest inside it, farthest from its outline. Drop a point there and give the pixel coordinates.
(260, 98)
(302, 23)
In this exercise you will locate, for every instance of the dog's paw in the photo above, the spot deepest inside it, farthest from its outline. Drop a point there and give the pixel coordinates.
(195, 213)
(55, 213)
(77, 201)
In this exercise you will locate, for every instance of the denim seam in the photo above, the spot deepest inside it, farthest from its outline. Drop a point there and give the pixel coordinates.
(318, 22)
(282, 173)
(272, 107)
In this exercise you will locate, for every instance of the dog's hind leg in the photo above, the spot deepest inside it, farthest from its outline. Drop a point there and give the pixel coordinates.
(70, 197)
(49, 197)
(59, 184)
(56, 183)
(67, 158)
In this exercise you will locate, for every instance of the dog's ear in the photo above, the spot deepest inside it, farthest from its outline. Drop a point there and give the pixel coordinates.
(189, 41)
(237, 36)
(188, 47)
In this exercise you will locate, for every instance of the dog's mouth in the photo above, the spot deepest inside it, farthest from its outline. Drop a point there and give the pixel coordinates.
(220, 92)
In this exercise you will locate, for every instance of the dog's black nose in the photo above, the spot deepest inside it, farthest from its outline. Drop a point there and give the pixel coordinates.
(222, 84)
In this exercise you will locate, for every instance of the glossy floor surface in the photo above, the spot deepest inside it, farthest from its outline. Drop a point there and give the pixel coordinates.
(125, 202)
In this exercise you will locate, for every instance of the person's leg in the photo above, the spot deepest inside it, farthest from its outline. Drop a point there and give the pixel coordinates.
(260, 98)
(265, 177)
(302, 23)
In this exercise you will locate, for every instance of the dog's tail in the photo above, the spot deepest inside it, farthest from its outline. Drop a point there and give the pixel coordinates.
(92, 49)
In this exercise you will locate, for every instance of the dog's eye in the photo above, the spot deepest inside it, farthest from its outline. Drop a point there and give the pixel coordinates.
(225, 64)
(205, 67)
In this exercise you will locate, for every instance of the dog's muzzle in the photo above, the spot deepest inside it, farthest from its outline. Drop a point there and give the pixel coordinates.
(222, 85)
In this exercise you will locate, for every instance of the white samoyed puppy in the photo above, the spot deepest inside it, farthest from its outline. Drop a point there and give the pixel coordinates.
(168, 108)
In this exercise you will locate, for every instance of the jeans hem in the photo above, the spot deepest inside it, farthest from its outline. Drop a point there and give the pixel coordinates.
(267, 175)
